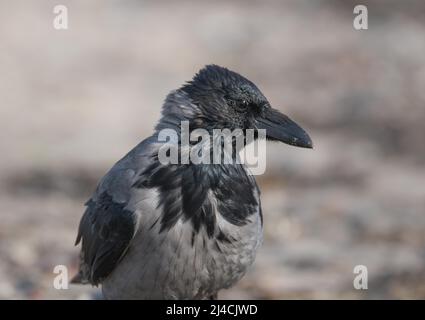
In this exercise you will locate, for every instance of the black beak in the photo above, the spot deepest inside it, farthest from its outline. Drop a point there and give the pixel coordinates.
(279, 127)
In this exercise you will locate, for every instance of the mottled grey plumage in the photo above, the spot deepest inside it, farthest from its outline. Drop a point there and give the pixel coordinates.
(181, 231)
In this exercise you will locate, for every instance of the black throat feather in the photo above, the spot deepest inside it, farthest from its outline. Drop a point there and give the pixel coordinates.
(196, 193)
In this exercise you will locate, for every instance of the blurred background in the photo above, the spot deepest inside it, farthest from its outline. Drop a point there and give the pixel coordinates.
(73, 102)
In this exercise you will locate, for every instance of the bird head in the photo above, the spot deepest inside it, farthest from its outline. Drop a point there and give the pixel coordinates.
(220, 98)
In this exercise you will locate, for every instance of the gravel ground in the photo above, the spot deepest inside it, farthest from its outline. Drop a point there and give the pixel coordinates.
(73, 102)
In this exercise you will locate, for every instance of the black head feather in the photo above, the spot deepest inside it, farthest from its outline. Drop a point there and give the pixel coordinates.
(224, 99)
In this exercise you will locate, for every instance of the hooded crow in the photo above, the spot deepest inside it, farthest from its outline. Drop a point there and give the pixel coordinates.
(155, 230)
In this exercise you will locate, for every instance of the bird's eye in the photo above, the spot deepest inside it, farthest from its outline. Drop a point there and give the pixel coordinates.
(238, 105)
(242, 106)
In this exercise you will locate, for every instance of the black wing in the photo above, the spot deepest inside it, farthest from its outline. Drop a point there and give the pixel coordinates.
(106, 230)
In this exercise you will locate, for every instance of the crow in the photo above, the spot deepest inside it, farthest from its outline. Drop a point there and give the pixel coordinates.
(172, 230)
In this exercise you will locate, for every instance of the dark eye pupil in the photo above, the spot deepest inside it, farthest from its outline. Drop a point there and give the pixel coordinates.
(240, 105)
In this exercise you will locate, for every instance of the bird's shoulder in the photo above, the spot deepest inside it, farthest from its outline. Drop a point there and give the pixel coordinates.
(109, 223)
